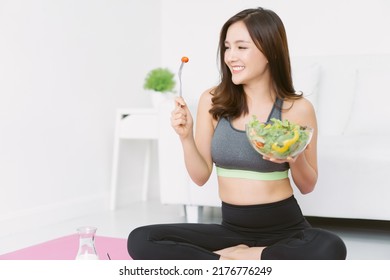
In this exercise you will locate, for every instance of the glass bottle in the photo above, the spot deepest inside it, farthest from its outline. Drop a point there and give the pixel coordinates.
(87, 249)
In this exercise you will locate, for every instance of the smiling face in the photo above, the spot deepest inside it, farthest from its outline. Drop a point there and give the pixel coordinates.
(246, 62)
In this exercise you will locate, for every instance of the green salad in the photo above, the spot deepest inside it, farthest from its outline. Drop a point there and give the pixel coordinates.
(278, 139)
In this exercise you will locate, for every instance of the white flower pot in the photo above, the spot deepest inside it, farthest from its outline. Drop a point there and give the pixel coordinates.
(159, 98)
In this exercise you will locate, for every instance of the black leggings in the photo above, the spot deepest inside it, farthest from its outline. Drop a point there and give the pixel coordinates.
(279, 226)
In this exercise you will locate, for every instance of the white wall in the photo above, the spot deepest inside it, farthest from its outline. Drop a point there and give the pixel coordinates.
(65, 66)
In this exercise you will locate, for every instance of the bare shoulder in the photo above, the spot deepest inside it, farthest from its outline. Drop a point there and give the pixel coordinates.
(299, 104)
(207, 95)
(205, 120)
(300, 111)
(205, 101)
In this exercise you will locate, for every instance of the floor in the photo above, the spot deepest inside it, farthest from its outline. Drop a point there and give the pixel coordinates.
(365, 240)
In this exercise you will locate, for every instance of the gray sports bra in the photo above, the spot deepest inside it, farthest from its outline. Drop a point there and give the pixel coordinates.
(235, 157)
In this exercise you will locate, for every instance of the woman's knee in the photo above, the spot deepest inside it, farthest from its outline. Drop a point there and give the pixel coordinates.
(325, 245)
(309, 244)
(335, 249)
(136, 242)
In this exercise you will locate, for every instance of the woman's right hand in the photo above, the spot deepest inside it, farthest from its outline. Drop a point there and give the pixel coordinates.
(181, 119)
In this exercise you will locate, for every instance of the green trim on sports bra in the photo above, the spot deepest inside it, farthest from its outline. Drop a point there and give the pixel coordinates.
(252, 175)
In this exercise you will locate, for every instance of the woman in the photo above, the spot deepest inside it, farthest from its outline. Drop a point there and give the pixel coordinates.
(260, 216)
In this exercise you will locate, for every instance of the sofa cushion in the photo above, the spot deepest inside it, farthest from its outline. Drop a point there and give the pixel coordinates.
(336, 97)
(306, 77)
(370, 113)
(329, 82)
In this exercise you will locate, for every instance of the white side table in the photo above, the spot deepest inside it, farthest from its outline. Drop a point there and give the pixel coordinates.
(130, 124)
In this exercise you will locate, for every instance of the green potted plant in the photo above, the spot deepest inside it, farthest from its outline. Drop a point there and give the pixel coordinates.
(160, 82)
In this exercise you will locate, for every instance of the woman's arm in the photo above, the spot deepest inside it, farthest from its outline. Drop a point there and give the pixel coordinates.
(304, 168)
(197, 149)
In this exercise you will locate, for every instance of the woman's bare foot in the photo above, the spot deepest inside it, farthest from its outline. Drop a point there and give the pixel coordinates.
(240, 252)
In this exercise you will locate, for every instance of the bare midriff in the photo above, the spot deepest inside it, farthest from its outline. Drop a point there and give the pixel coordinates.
(239, 191)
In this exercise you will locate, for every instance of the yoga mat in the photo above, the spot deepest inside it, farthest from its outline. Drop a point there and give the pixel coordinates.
(65, 248)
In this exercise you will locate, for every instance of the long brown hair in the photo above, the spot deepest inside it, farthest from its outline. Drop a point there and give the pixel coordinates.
(268, 33)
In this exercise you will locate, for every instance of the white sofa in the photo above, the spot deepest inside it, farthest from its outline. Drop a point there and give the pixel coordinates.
(350, 94)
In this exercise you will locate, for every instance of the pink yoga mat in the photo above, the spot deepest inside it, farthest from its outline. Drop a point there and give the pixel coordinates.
(65, 248)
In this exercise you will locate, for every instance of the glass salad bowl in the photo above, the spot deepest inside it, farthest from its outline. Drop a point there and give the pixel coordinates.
(278, 139)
